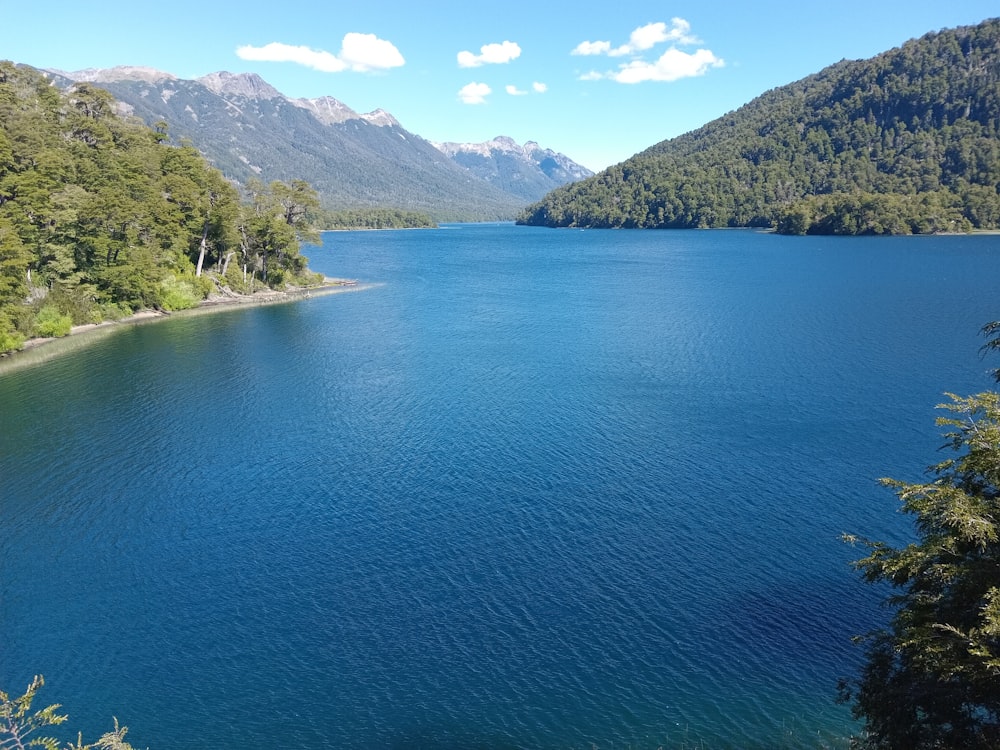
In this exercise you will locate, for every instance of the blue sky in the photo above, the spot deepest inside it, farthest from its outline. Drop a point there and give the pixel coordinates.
(598, 81)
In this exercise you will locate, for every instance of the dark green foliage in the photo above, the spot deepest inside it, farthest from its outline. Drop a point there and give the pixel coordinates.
(375, 218)
(98, 215)
(908, 141)
(876, 213)
(278, 217)
(932, 677)
(992, 333)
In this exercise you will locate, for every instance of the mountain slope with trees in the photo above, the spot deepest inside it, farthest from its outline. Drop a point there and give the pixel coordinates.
(907, 141)
(100, 217)
(247, 129)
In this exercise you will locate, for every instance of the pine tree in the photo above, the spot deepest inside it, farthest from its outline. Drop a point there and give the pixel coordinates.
(931, 678)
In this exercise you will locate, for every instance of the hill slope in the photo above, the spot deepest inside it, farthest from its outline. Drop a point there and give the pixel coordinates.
(906, 141)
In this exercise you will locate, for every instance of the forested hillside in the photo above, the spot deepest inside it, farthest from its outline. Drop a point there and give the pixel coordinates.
(100, 217)
(908, 141)
(248, 129)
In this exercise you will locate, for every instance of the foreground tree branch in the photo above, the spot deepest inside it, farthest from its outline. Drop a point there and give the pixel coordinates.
(931, 678)
(19, 727)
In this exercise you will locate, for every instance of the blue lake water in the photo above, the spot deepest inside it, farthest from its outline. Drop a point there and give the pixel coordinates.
(536, 489)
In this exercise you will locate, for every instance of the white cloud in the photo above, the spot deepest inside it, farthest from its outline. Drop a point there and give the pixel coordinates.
(490, 54)
(365, 52)
(474, 93)
(591, 48)
(278, 52)
(643, 38)
(359, 52)
(648, 36)
(671, 66)
(538, 88)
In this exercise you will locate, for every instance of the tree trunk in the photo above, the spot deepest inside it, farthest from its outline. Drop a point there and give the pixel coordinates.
(201, 250)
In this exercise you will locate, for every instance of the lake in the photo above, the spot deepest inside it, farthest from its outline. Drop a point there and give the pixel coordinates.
(535, 489)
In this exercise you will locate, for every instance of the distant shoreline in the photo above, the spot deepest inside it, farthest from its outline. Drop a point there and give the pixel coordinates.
(38, 350)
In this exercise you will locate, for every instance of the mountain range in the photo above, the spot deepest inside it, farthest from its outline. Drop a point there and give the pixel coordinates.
(527, 171)
(248, 129)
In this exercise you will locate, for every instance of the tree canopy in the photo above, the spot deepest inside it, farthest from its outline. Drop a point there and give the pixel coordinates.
(908, 141)
(931, 678)
(375, 218)
(99, 216)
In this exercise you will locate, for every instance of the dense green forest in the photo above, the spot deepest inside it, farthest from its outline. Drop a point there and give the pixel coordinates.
(908, 141)
(100, 217)
(375, 218)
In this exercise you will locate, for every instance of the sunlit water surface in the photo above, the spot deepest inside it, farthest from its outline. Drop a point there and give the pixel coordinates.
(536, 489)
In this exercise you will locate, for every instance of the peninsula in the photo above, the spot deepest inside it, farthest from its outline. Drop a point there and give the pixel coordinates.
(101, 220)
(45, 348)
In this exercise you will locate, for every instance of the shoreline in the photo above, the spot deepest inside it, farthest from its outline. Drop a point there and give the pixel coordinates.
(38, 350)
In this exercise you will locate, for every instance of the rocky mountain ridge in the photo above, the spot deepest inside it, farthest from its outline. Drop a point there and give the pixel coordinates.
(523, 170)
(248, 129)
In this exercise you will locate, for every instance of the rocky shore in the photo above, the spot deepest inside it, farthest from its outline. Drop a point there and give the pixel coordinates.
(39, 350)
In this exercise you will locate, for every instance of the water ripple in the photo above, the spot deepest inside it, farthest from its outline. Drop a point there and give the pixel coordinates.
(538, 490)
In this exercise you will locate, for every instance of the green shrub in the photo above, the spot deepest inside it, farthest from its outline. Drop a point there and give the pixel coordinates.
(178, 294)
(113, 311)
(235, 280)
(204, 285)
(49, 322)
(79, 302)
(10, 339)
(276, 278)
(307, 278)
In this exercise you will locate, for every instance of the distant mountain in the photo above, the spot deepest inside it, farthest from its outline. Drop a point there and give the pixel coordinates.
(247, 128)
(904, 142)
(528, 171)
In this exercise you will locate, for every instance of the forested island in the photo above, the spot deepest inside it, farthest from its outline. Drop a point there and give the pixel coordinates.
(905, 142)
(100, 217)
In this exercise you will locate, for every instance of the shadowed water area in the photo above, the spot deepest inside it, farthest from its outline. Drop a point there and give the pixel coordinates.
(536, 489)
